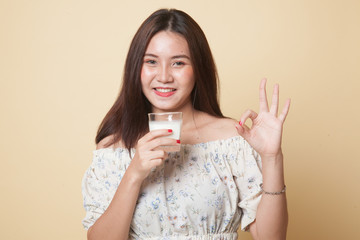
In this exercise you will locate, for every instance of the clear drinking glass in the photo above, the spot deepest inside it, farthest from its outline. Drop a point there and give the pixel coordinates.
(167, 120)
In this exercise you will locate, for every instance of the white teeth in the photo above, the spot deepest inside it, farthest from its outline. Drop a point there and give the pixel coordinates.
(164, 90)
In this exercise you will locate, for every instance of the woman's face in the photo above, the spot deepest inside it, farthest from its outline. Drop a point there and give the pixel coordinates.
(167, 76)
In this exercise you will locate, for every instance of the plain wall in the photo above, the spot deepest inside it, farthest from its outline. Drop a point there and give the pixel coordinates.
(61, 64)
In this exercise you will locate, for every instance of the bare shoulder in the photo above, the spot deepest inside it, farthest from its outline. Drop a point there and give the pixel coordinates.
(224, 127)
(212, 128)
(108, 142)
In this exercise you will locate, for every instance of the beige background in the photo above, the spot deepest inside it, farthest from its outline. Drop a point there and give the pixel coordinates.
(60, 68)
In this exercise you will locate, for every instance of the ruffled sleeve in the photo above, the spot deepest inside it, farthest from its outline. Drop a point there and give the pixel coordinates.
(248, 177)
(101, 180)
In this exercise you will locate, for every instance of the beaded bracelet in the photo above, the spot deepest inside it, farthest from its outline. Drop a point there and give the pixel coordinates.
(272, 193)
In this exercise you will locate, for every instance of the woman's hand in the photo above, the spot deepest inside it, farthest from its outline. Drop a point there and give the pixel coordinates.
(266, 130)
(148, 155)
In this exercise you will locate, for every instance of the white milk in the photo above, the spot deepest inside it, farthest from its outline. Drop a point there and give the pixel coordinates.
(174, 125)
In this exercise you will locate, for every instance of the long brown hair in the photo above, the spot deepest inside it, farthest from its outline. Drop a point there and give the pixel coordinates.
(127, 119)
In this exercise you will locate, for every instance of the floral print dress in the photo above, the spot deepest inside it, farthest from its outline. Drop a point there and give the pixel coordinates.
(202, 192)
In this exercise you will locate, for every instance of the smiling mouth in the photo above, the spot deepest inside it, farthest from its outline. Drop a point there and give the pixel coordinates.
(165, 90)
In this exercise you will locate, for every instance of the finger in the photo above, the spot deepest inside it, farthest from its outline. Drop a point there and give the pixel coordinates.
(242, 130)
(161, 156)
(162, 142)
(275, 101)
(156, 162)
(155, 134)
(248, 114)
(285, 110)
(157, 154)
(264, 107)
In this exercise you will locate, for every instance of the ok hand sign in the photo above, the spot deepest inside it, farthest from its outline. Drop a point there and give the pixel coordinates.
(266, 130)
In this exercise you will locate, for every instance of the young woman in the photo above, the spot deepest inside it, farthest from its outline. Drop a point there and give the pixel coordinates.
(225, 173)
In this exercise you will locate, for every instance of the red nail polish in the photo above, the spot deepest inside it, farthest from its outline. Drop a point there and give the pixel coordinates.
(169, 130)
(240, 123)
(178, 141)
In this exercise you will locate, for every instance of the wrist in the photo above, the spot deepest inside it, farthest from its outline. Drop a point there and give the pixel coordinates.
(273, 172)
(272, 157)
(133, 177)
(272, 193)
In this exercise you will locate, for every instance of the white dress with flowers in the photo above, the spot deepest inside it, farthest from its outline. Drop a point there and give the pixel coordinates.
(202, 192)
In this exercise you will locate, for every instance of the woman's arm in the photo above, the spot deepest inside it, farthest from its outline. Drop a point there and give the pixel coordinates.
(271, 216)
(265, 137)
(115, 222)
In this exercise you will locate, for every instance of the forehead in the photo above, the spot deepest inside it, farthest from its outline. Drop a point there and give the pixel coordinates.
(167, 42)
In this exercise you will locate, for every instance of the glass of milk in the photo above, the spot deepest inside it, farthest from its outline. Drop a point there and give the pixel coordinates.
(167, 120)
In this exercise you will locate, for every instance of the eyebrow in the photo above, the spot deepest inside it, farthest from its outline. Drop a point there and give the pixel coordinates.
(173, 57)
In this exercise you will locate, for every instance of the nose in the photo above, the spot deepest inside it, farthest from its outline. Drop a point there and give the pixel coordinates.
(164, 75)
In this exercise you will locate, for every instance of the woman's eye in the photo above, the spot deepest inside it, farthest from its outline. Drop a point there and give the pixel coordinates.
(150, 61)
(178, 63)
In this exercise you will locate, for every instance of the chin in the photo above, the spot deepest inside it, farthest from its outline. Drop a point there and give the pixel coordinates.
(165, 109)
(168, 107)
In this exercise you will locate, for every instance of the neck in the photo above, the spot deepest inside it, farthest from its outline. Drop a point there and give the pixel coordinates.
(188, 114)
